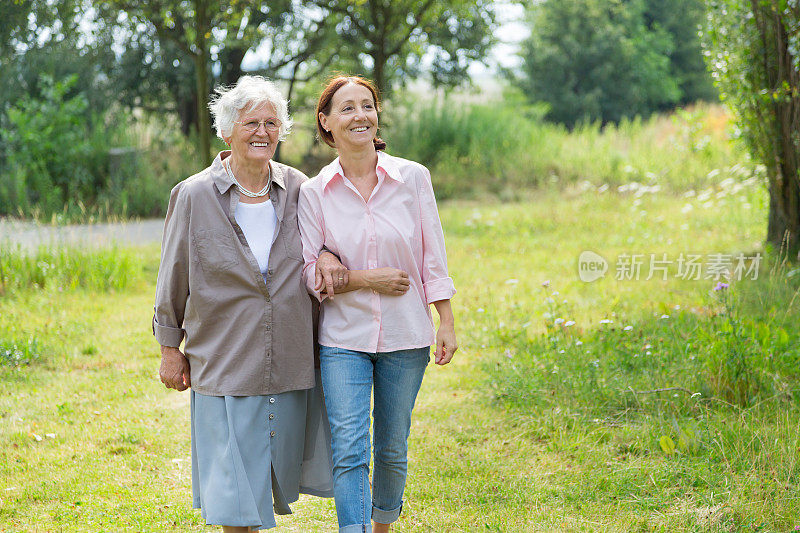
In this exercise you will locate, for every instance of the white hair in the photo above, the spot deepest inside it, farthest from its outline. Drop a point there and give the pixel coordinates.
(249, 93)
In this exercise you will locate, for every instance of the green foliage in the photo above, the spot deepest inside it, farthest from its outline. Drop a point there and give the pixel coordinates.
(607, 60)
(63, 161)
(389, 42)
(505, 149)
(51, 151)
(63, 269)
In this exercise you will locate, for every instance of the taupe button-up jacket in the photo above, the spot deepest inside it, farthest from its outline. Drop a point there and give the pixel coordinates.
(243, 336)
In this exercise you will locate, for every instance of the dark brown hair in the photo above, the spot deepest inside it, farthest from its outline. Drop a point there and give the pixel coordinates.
(324, 105)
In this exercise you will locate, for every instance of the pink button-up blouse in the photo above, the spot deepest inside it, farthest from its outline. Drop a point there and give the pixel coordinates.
(398, 227)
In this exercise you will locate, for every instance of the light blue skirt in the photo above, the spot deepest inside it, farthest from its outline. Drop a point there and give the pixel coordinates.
(250, 450)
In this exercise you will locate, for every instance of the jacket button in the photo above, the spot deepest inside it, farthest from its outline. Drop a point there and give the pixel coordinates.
(271, 416)
(271, 433)
(272, 400)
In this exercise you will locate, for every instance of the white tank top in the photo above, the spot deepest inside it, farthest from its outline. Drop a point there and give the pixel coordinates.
(258, 223)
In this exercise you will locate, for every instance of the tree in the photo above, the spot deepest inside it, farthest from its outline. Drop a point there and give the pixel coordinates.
(167, 40)
(753, 51)
(681, 19)
(395, 36)
(596, 60)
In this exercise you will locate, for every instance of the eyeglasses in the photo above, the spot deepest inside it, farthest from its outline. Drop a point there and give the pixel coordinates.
(271, 125)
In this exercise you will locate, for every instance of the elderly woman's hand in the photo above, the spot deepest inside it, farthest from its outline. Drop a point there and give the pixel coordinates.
(174, 371)
(330, 273)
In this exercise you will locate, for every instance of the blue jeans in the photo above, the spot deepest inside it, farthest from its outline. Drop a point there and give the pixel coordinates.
(348, 378)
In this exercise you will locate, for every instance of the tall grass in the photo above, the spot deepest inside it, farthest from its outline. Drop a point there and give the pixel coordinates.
(64, 268)
(505, 149)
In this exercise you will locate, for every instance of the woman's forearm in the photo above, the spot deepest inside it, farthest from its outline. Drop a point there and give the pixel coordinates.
(445, 312)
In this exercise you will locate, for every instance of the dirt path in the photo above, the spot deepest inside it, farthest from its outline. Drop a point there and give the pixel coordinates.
(30, 235)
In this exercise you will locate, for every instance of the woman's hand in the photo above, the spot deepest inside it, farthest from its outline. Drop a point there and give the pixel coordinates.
(330, 273)
(446, 344)
(387, 280)
(174, 371)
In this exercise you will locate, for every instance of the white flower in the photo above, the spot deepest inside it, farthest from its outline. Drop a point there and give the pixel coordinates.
(546, 283)
(627, 328)
(512, 281)
(578, 343)
(558, 321)
(481, 310)
(664, 316)
(648, 346)
(569, 323)
(648, 353)
(561, 351)
(606, 321)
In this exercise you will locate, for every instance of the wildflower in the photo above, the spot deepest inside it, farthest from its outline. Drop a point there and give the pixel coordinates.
(546, 283)
(627, 328)
(481, 310)
(548, 315)
(555, 293)
(606, 321)
(569, 323)
(664, 316)
(512, 281)
(578, 343)
(558, 321)
(549, 300)
(721, 286)
(561, 351)
(648, 352)
(648, 346)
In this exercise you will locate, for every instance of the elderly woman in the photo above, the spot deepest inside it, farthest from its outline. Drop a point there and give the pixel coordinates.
(376, 212)
(230, 284)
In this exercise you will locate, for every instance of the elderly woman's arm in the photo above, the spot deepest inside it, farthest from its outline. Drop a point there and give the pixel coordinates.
(172, 291)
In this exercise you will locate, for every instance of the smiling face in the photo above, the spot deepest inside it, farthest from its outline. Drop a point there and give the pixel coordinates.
(353, 117)
(254, 146)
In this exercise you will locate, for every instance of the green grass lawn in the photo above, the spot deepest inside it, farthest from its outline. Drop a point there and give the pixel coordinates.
(514, 435)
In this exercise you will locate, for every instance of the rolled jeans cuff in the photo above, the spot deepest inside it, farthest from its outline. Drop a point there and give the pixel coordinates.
(356, 528)
(386, 517)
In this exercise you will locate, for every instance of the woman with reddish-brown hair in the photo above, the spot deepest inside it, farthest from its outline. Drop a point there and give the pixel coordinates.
(376, 212)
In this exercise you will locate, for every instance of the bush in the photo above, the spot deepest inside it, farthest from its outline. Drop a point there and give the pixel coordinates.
(504, 148)
(54, 155)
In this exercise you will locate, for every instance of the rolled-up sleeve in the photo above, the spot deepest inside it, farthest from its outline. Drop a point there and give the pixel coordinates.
(172, 287)
(436, 282)
(312, 235)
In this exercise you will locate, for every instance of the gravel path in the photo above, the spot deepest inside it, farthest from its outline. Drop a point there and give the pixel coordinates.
(30, 235)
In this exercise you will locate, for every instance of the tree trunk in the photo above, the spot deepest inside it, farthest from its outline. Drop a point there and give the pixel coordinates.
(379, 72)
(231, 64)
(201, 70)
(783, 80)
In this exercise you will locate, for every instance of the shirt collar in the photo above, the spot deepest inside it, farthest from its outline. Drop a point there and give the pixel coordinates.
(386, 163)
(224, 182)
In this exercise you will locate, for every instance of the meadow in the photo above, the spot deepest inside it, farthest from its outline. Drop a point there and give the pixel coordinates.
(661, 396)
(549, 419)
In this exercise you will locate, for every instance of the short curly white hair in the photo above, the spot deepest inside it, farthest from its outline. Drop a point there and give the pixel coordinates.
(249, 93)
